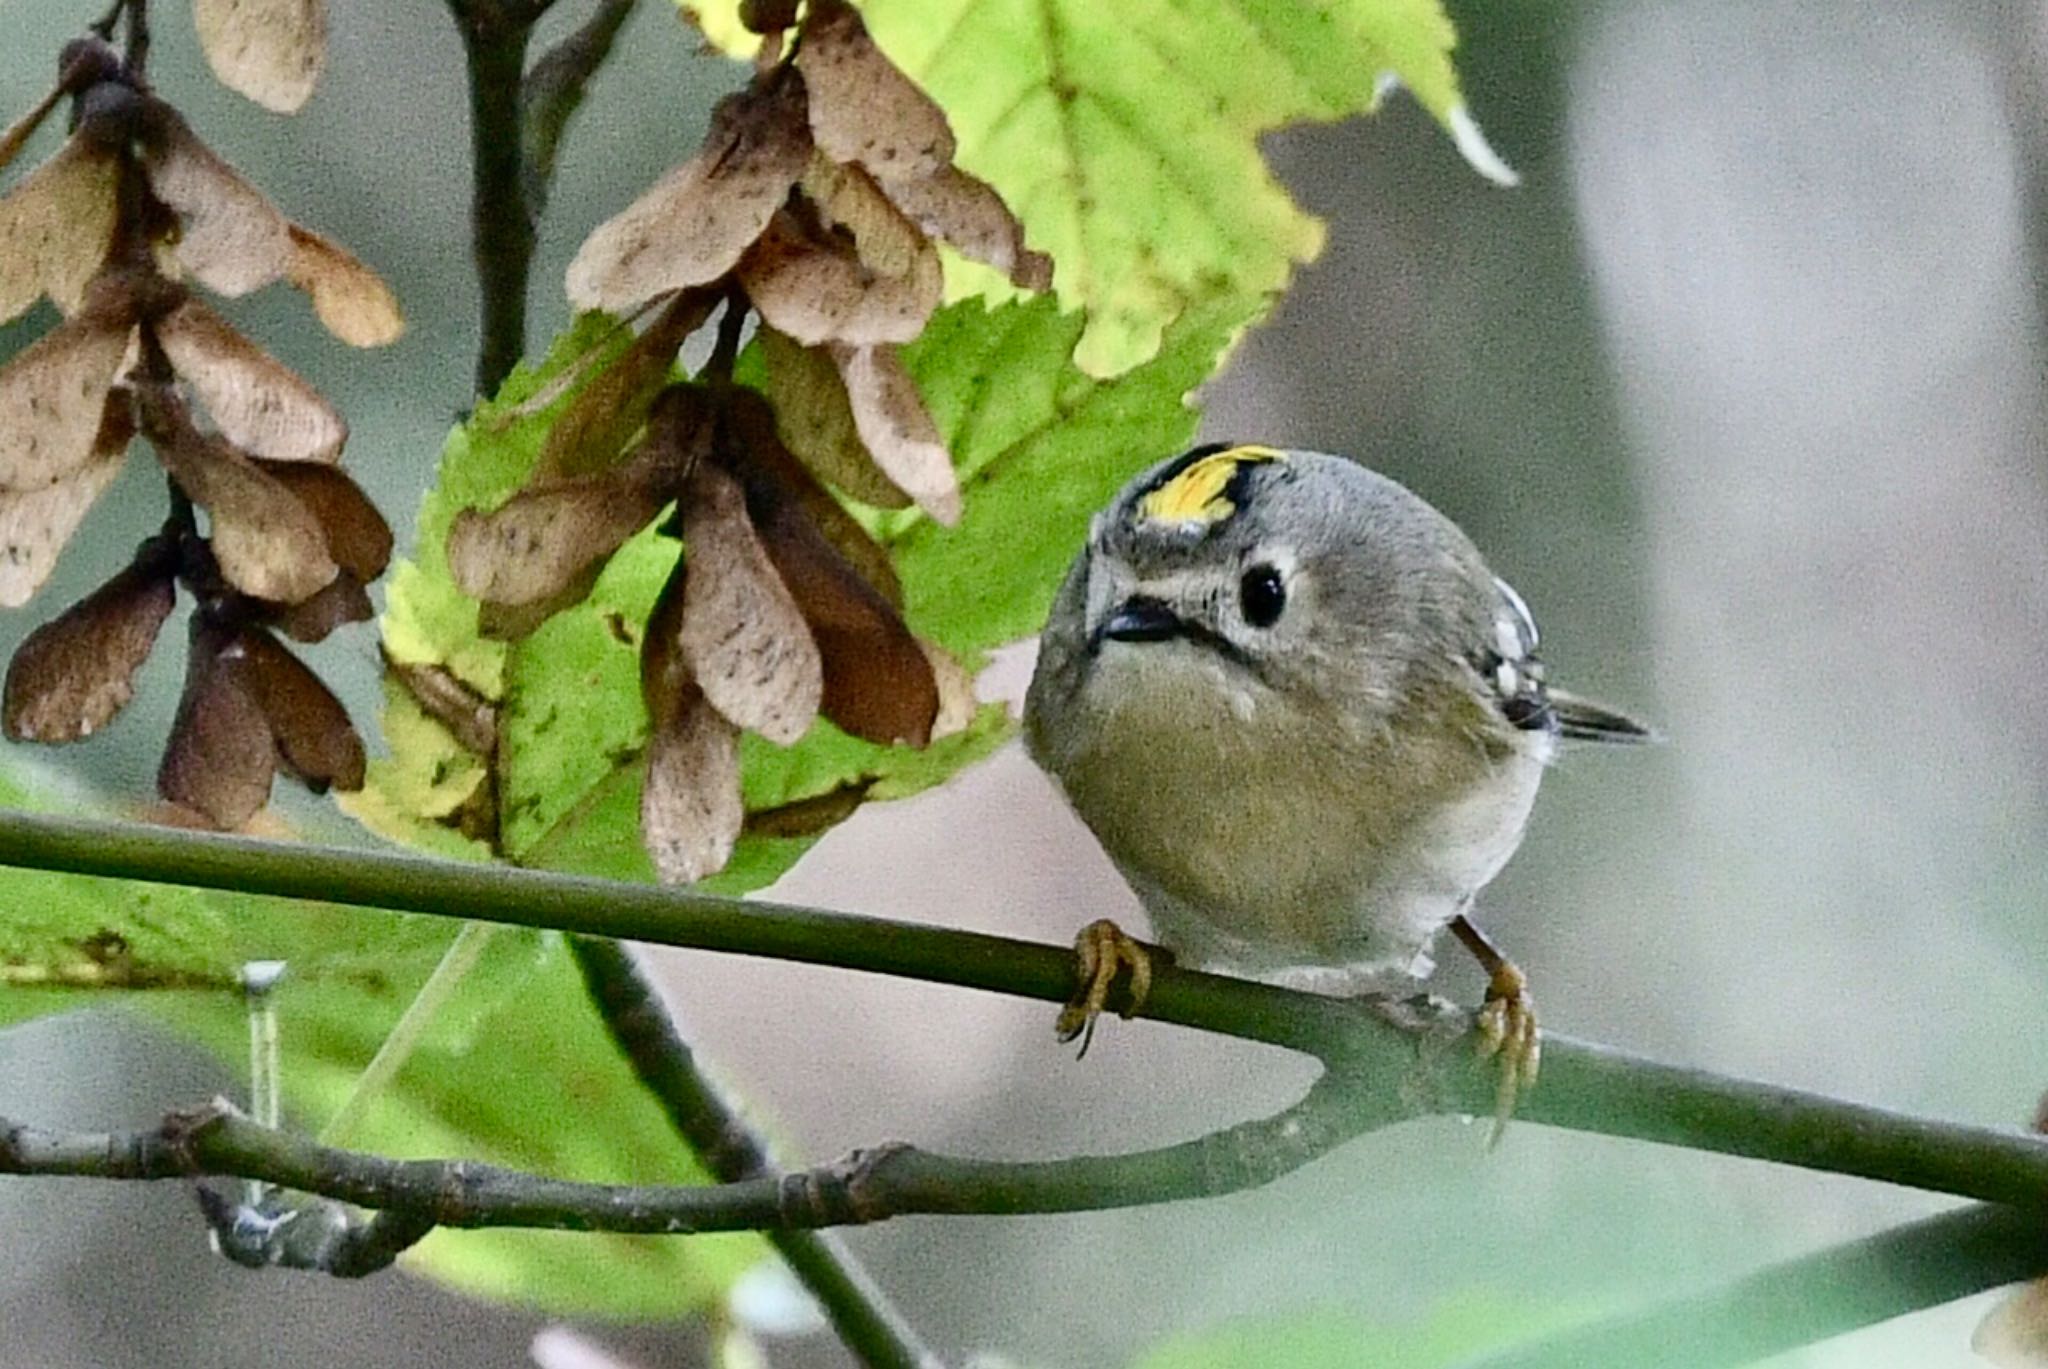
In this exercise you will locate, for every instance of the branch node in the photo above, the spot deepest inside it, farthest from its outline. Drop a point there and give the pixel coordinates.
(838, 1194)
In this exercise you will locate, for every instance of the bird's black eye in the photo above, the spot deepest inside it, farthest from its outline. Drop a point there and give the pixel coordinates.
(1263, 596)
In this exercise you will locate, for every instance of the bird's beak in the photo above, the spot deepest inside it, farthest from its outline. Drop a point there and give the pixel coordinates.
(1140, 619)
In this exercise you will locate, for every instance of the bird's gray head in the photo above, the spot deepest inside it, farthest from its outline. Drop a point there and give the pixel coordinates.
(1297, 571)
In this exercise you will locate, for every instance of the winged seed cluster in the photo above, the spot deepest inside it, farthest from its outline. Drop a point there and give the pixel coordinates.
(110, 228)
(814, 206)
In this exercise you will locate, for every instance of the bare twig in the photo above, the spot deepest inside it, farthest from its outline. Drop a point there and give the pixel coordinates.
(871, 1185)
(554, 90)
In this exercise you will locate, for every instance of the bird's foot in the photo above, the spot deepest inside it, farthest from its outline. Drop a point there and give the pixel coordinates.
(1103, 954)
(1509, 1036)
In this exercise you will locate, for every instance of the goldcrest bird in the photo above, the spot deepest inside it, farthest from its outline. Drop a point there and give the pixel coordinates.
(1306, 722)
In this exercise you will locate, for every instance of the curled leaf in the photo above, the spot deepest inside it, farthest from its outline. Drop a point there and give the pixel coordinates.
(259, 404)
(72, 675)
(896, 429)
(55, 227)
(53, 395)
(351, 300)
(815, 420)
(35, 525)
(268, 544)
(862, 108)
(314, 737)
(357, 536)
(690, 810)
(877, 683)
(763, 459)
(742, 636)
(815, 287)
(233, 238)
(220, 757)
(694, 223)
(966, 212)
(269, 50)
(468, 716)
(545, 538)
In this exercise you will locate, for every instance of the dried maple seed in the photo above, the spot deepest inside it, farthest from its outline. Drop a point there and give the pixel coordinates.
(742, 636)
(877, 683)
(813, 285)
(269, 50)
(258, 403)
(71, 676)
(55, 227)
(862, 108)
(544, 538)
(269, 545)
(897, 430)
(315, 740)
(967, 213)
(614, 404)
(815, 421)
(692, 225)
(690, 807)
(221, 756)
(767, 16)
(53, 396)
(771, 472)
(357, 536)
(343, 601)
(233, 238)
(350, 299)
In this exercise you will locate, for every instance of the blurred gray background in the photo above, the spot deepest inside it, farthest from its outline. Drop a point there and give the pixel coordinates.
(1742, 389)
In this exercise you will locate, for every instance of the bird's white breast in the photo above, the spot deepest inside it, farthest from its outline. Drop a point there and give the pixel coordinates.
(1272, 842)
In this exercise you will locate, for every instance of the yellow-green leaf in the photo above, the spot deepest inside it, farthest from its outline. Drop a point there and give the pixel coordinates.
(1125, 136)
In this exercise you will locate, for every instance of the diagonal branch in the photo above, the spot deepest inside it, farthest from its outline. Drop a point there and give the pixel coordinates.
(1922, 1264)
(554, 88)
(714, 1129)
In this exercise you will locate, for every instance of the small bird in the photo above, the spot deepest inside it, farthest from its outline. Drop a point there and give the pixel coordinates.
(1306, 722)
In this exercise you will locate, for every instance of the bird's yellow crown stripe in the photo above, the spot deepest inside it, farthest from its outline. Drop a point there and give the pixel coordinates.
(1200, 494)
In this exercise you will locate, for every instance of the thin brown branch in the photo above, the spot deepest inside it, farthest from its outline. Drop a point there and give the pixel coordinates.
(871, 1185)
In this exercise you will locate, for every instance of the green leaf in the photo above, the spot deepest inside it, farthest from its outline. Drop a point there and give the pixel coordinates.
(1040, 448)
(1126, 136)
(517, 1070)
(571, 728)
